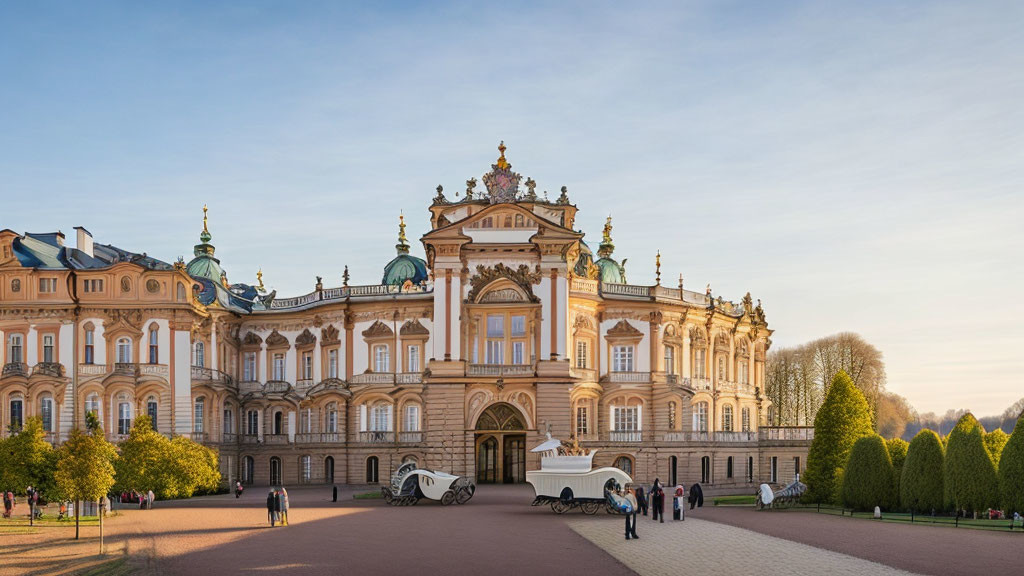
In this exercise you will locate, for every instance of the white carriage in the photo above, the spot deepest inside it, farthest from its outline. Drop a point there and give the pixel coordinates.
(567, 480)
(409, 484)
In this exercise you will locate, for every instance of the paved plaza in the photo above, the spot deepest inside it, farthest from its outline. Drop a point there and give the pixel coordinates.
(496, 533)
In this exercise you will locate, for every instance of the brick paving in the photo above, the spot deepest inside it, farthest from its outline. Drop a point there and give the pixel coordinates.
(709, 548)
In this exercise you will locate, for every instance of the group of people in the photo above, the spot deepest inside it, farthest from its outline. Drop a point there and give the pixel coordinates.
(277, 506)
(31, 498)
(143, 499)
(654, 500)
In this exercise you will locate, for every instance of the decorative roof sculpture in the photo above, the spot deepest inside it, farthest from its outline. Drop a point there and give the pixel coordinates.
(502, 183)
(611, 271)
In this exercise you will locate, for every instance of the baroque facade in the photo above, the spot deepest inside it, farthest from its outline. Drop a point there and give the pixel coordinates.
(510, 328)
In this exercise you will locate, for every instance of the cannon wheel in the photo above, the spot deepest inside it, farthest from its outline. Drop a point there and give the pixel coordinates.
(590, 508)
(560, 507)
(610, 509)
(463, 495)
(447, 498)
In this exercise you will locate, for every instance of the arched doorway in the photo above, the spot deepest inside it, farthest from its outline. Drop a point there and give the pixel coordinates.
(248, 469)
(329, 470)
(275, 471)
(372, 470)
(500, 445)
(673, 468)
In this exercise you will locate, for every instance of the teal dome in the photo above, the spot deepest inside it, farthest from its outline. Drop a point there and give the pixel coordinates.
(611, 272)
(205, 266)
(405, 267)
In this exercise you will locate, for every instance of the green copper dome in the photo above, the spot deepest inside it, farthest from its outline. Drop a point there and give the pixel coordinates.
(205, 265)
(404, 267)
(611, 272)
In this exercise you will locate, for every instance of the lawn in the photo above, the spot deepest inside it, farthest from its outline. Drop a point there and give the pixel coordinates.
(734, 500)
(906, 518)
(367, 495)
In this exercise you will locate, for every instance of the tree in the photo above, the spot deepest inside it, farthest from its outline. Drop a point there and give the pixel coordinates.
(893, 414)
(195, 467)
(897, 448)
(994, 443)
(921, 482)
(143, 463)
(970, 476)
(1011, 471)
(85, 469)
(844, 417)
(27, 459)
(868, 475)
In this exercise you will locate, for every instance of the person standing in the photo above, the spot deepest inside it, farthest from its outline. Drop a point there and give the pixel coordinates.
(238, 489)
(658, 501)
(631, 515)
(284, 506)
(150, 496)
(8, 504)
(641, 500)
(678, 503)
(271, 500)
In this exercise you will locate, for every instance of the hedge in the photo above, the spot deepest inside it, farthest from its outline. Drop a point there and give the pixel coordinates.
(921, 482)
(868, 476)
(843, 418)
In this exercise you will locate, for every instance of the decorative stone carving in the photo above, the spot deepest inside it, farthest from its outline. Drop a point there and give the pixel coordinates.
(276, 340)
(624, 330)
(329, 336)
(378, 330)
(521, 276)
(413, 328)
(500, 296)
(305, 339)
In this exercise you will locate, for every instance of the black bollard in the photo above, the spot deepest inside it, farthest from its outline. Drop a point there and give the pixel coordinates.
(335, 493)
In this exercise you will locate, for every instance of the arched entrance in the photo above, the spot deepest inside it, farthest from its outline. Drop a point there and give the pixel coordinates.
(329, 470)
(248, 469)
(275, 471)
(500, 445)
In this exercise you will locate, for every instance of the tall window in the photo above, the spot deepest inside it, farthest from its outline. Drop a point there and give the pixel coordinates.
(380, 418)
(89, 346)
(727, 418)
(229, 420)
(625, 418)
(622, 358)
(46, 411)
(332, 418)
(518, 326)
(249, 366)
(518, 352)
(199, 356)
(700, 364)
(728, 467)
(582, 422)
(307, 365)
(495, 339)
(17, 413)
(198, 411)
(332, 363)
(154, 346)
(124, 418)
(672, 415)
(307, 468)
(745, 419)
(700, 417)
(412, 418)
(151, 410)
(381, 358)
(252, 422)
(581, 354)
(744, 372)
(721, 368)
(14, 348)
(48, 348)
(278, 366)
(278, 423)
(774, 470)
(413, 365)
(771, 415)
(750, 468)
(670, 360)
(92, 404)
(705, 469)
(625, 464)
(124, 350)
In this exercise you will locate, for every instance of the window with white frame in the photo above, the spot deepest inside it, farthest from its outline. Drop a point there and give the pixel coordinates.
(307, 365)
(198, 411)
(332, 418)
(124, 350)
(46, 412)
(727, 418)
(413, 364)
(332, 363)
(47, 285)
(518, 328)
(252, 422)
(495, 339)
(124, 417)
(382, 358)
(380, 417)
(412, 418)
(518, 352)
(92, 404)
(229, 420)
(700, 417)
(582, 421)
(307, 468)
(199, 354)
(278, 366)
(48, 348)
(151, 410)
(622, 358)
(306, 420)
(249, 366)
(154, 346)
(670, 360)
(700, 363)
(581, 354)
(89, 346)
(625, 418)
(17, 413)
(15, 348)
(745, 419)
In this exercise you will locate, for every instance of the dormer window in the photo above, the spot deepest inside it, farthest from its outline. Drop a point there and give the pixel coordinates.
(47, 285)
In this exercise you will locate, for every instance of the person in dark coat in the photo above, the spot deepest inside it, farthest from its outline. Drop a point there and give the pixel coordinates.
(279, 506)
(271, 500)
(641, 500)
(696, 496)
(657, 498)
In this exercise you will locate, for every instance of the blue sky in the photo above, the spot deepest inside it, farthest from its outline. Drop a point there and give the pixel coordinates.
(857, 166)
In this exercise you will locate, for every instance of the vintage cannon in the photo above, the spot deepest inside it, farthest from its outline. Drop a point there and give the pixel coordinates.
(767, 498)
(409, 484)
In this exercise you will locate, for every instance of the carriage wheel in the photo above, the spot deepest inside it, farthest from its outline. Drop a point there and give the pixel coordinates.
(590, 508)
(560, 507)
(447, 498)
(463, 495)
(610, 509)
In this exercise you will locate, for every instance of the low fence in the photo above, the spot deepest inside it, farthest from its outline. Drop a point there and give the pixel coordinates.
(1002, 524)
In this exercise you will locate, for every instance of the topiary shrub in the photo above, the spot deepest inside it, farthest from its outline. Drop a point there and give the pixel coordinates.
(970, 476)
(1011, 471)
(868, 476)
(897, 448)
(921, 482)
(994, 443)
(843, 418)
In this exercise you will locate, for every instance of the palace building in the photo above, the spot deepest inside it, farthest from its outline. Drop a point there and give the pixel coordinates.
(509, 327)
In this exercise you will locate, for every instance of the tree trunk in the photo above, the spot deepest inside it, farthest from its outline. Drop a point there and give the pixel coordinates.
(78, 512)
(99, 511)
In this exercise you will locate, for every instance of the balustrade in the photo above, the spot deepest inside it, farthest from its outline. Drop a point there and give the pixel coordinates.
(376, 437)
(318, 438)
(15, 369)
(410, 437)
(373, 378)
(628, 377)
(154, 370)
(275, 438)
(55, 369)
(203, 374)
(92, 369)
(499, 370)
(805, 433)
(625, 436)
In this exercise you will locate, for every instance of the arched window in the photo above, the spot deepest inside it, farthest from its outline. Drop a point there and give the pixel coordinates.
(745, 419)
(92, 405)
(90, 348)
(16, 285)
(412, 418)
(152, 409)
(381, 358)
(15, 347)
(279, 422)
(705, 469)
(199, 355)
(700, 417)
(252, 423)
(670, 360)
(332, 418)
(17, 412)
(46, 412)
(329, 469)
(624, 463)
(154, 344)
(197, 418)
(124, 415)
(727, 418)
(124, 350)
(372, 465)
(728, 467)
(248, 468)
(275, 471)
(48, 349)
(229, 419)
(181, 296)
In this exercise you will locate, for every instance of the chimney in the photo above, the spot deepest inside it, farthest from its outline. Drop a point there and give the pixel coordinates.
(60, 238)
(84, 241)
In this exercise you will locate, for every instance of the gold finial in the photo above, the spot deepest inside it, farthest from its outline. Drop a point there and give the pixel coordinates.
(657, 267)
(205, 229)
(259, 278)
(607, 233)
(502, 163)
(401, 229)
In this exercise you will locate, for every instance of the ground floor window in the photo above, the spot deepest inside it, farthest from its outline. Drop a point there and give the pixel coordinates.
(750, 468)
(624, 463)
(275, 471)
(705, 470)
(728, 467)
(774, 469)
(248, 468)
(372, 470)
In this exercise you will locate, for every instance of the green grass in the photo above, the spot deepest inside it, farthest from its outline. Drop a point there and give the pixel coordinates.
(905, 518)
(116, 567)
(367, 495)
(48, 520)
(735, 500)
